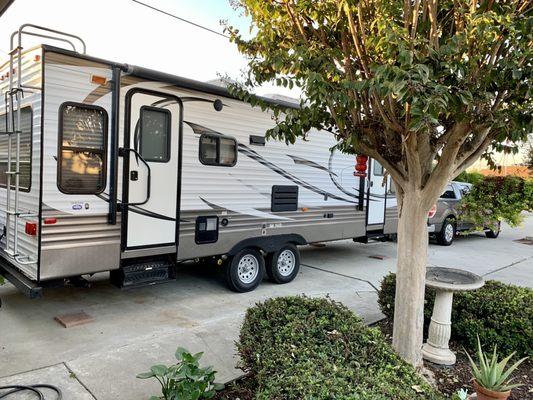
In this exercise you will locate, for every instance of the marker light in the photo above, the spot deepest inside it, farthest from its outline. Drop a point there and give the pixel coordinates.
(99, 80)
(31, 228)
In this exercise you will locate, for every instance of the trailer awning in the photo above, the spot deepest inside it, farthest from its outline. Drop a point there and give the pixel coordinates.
(4, 5)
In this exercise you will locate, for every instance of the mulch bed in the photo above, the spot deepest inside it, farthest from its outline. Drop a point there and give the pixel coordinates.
(448, 379)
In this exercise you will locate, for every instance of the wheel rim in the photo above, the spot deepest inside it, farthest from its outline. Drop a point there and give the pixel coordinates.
(448, 232)
(286, 262)
(248, 268)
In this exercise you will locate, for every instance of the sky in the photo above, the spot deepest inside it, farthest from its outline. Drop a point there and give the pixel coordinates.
(126, 32)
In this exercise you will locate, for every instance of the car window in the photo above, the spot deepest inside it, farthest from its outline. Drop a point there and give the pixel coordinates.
(449, 193)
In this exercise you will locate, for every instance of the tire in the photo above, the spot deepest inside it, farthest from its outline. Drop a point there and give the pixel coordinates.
(283, 265)
(447, 233)
(245, 271)
(491, 234)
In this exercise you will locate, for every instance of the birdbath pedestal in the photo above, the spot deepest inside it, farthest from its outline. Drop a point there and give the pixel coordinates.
(445, 281)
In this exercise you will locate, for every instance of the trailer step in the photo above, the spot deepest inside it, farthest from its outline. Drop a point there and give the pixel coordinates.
(143, 274)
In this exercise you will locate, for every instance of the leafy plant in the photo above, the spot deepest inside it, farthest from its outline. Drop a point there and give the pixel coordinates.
(494, 199)
(492, 374)
(461, 394)
(296, 348)
(499, 313)
(185, 380)
(469, 177)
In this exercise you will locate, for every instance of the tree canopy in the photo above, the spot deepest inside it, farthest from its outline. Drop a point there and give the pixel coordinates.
(411, 83)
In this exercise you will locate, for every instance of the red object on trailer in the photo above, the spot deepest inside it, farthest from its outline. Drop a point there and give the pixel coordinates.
(361, 165)
(31, 228)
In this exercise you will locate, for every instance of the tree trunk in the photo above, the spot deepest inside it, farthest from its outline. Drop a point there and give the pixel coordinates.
(410, 278)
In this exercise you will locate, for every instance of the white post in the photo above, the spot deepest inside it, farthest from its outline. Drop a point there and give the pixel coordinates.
(436, 348)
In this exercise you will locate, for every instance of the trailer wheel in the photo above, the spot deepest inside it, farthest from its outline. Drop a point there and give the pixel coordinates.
(283, 265)
(245, 271)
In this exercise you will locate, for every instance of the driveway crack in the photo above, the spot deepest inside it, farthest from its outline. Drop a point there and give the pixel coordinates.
(508, 266)
(343, 275)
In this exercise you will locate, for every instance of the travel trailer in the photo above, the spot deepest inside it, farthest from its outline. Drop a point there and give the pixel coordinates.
(113, 167)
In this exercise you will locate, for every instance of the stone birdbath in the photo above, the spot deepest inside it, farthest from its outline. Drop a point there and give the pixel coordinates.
(445, 281)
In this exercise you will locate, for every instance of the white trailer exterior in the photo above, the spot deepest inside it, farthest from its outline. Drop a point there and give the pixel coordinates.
(130, 170)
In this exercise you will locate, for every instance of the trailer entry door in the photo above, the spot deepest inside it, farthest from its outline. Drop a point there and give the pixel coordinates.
(377, 189)
(151, 170)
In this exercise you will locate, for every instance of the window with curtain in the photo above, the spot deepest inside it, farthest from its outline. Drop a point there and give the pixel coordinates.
(82, 149)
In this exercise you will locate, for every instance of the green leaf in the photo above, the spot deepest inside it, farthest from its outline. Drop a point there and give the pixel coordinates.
(159, 370)
(145, 375)
(180, 352)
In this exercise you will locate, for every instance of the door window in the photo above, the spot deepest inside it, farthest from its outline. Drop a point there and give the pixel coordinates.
(155, 134)
(378, 169)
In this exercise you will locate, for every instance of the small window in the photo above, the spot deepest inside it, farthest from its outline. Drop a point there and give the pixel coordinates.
(218, 150)
(82, 149)
(378, 169)
(448, 193)
(155, 134)
(26, 128)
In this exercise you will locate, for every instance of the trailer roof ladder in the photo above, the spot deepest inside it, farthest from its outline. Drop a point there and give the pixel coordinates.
(13, 103)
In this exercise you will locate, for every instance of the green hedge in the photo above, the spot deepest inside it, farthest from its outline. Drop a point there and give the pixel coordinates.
(500, 314)
(297, 348)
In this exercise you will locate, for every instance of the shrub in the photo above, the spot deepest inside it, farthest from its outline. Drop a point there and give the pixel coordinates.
(185, 380)
(500, 314)
(301, 348)
(497, 198)
(469, 177)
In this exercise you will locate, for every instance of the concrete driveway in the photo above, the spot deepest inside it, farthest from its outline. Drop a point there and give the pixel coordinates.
(135, 329)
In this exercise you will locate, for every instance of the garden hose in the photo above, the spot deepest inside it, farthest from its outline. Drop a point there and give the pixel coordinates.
(31, 388)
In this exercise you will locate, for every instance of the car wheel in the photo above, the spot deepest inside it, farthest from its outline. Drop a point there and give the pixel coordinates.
(447, 233)
(283, 265)
(245, 271)
(492, 234)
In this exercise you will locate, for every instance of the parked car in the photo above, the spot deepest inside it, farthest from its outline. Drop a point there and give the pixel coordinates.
(444, 220)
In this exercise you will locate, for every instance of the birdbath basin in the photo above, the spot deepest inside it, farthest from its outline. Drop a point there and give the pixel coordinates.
(445, 281)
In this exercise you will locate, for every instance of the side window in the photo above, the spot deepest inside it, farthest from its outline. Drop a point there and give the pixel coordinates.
(26, 128)
(448, 193)
(155, 134)
(82, 149)
(218, 150)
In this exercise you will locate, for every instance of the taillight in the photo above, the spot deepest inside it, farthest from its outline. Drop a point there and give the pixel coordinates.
(432, 211)
(50, 221)
(31, 228)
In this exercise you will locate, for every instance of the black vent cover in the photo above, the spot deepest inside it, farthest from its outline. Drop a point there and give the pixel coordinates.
(284, 198)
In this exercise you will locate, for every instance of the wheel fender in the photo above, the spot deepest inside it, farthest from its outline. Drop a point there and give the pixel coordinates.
(268, 244)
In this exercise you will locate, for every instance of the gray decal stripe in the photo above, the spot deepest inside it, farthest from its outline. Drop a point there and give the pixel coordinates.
(312, 164)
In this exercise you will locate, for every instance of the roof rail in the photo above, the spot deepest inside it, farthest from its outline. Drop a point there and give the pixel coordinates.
(62, 37)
